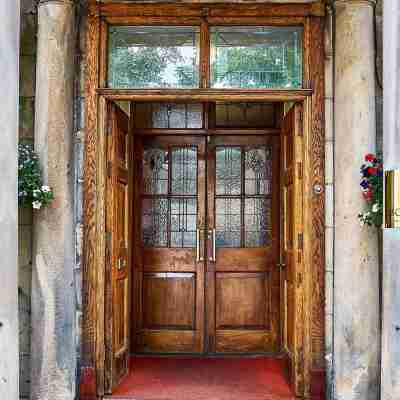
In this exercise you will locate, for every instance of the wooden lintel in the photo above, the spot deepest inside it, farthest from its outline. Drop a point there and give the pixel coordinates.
(206, 95)
(194, 8)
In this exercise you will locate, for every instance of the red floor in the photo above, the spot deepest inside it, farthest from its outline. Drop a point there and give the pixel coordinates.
(196, 378)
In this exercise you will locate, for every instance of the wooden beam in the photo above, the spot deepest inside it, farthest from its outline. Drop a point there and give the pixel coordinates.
(206, 95)
(195, 9)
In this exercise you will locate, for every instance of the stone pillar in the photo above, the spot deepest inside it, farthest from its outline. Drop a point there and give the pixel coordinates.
(9, 72)
(390, 371)
(356, 269)
(53, 365)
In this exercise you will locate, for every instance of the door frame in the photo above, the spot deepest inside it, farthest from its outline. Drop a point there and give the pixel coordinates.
(311, 16)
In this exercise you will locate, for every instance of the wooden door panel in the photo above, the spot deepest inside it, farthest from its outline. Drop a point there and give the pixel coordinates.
(118, 257)
(243, 285)
(242, 301)
(170, 272)
(292, 244)
(169, 300)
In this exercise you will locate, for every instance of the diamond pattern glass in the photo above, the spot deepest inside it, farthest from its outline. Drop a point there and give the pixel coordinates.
(228, 170)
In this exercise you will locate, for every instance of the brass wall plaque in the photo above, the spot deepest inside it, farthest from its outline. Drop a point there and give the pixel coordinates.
(392, 199)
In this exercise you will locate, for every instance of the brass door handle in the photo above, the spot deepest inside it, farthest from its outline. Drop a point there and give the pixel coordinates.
(198, 250)
(213, 257)
(121, 263)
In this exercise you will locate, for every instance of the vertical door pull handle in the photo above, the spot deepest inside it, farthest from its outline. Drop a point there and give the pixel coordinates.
(213, 257)
(198, 250)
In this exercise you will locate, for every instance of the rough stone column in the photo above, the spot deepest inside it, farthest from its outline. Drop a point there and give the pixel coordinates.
(390, 386)
(53, 362)
(356, 276)
(9, 72)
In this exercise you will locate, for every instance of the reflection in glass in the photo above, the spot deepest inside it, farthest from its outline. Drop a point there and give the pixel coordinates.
(155, 171)
(184, 170)
(257, 222)
(153, 57)
(227, 224)
(169, 115)
(258, 171)
(228, 170)
(256, 57)
(154, 222)
(183, 222)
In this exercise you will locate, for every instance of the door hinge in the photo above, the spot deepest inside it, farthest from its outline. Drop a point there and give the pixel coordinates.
(300, 170)
(300, 241)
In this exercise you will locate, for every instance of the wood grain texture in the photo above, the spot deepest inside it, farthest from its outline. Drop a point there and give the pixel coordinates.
(255, 9)
(89, 284)
(317, 158)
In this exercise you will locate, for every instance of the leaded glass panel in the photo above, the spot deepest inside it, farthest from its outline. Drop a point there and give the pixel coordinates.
(155, 171)
(257, 222)
(256, 57)
(228, 170)
(228, 222)
(184, 170)
(153, 57)
(155, 222)
(258, 171)
(183, 222)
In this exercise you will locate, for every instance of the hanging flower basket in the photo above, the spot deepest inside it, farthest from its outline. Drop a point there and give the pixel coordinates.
(31, 191)
(372, 191)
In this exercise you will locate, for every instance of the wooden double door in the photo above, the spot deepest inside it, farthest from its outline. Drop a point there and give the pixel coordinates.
(207, 226)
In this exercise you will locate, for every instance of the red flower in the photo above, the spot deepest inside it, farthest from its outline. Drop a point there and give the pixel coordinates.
(368, 194)
(372, 170)
(370, 157)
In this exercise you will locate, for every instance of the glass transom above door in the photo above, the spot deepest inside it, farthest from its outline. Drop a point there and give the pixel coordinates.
(243, 57)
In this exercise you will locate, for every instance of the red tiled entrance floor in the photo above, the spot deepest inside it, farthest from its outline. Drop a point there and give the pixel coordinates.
(205, 378)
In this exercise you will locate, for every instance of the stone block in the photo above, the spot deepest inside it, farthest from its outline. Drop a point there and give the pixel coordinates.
(329, 235)
(28, 34)
(27, 76)
(329, 205)
(25, 245)
(329, 171)
(26, 117)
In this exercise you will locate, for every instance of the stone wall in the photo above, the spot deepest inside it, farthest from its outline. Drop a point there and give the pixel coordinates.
(26, 133)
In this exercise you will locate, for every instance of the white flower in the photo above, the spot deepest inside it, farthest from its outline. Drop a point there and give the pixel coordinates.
(375, 208)
(45, 189)
(36, 205)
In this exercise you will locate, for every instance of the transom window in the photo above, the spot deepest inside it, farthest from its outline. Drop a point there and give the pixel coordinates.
(243, 57)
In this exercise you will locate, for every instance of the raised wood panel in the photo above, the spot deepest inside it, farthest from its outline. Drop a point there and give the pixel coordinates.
(241, 259)
(121, 317)
(153, 341)
(248, 341)
(243, 301)
(169, 300)
(165, 259)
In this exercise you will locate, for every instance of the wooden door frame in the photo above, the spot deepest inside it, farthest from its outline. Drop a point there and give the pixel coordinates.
(97, 95)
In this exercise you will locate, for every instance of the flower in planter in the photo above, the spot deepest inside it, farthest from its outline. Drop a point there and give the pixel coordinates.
(31, 191)
(372, 190)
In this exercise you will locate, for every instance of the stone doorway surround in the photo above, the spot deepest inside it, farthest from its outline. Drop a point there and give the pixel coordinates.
(346, 71)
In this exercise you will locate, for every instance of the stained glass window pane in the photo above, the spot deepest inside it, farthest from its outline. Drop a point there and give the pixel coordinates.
(155, 171)
(257, 222)
(155, 222)
(256, 57)
(258, 171)
(228, 170)
(227, 215)
(183, 222)
(184, 170)
(153, 57)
